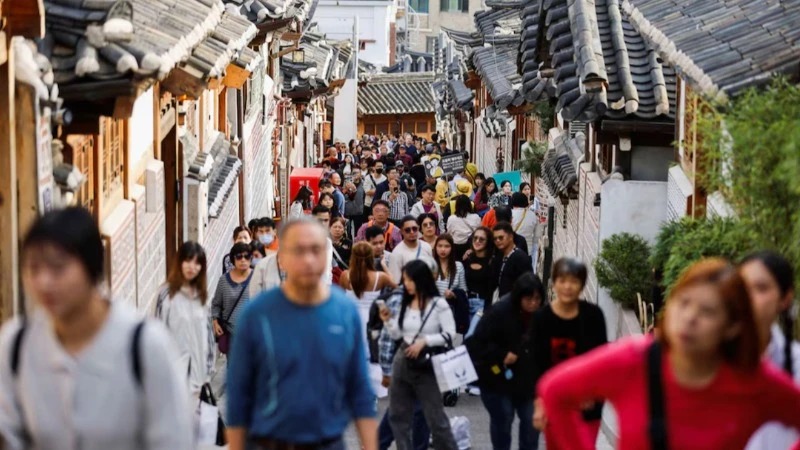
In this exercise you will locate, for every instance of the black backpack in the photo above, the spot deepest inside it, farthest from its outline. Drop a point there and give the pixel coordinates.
(136, 359)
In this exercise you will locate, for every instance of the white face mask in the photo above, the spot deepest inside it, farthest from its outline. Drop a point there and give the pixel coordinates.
(267, 239)
(255, 261)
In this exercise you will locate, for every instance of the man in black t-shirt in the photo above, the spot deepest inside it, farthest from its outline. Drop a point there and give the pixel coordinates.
(510, 262)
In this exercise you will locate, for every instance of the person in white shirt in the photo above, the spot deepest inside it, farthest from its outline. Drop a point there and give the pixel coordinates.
(323, 215)
(81, 371)
(410, 249)
(524, 221)
(424, 320)
(769, 279)
(462, 224)
(427, 205)
(371, 182)
(267, 274)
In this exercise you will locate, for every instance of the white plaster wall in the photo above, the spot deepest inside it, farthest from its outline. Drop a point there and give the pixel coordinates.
(336, 19)
(141, 127)
(638, 207)
(345, 126)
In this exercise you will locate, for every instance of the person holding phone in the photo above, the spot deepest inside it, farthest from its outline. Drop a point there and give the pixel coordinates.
(398, 201)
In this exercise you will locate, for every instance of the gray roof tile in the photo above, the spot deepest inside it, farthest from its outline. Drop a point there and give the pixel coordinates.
(401, 93)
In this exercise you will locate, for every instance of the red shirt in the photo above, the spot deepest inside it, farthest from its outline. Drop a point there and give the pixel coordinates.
(720, 416)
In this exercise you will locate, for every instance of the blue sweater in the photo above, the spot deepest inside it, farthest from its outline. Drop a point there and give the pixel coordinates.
(298, 374)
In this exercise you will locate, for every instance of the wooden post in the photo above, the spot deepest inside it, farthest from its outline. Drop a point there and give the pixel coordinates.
(9, 232)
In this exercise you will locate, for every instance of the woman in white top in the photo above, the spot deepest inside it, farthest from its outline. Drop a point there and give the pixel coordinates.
(81, 371)
(450, 273)
(363, 282)
(301, 203)
(524, 220)
(424, 323)
(769, 278)
(462, 224)
(181, 306)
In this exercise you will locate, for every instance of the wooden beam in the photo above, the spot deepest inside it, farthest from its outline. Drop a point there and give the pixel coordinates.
(285, 51)
(291, 36)
(9, 232)
(180, 82)
(235, 76)
(25, 18)
(626, 126)
(27, 128)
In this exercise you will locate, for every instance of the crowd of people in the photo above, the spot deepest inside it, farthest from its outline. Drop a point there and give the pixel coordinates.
(378, 273)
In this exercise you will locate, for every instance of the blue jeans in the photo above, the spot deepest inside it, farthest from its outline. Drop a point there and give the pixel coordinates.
(501, 408)
(420, 432)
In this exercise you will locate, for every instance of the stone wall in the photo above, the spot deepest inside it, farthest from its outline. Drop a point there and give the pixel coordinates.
(257, 173)
(218, 238)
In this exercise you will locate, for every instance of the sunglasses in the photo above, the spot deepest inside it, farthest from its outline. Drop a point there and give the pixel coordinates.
(502, 237)
(411, 229)
(479, 239)
(242, 256)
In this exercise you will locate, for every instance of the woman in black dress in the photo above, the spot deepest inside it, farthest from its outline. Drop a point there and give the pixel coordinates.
(478, 268)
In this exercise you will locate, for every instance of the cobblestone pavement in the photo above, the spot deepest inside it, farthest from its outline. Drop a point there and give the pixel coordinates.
(468, 406)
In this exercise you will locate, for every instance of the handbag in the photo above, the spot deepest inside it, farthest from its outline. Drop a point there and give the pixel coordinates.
(224, 340)
(423, 361)
(454, 369)
(212, 427)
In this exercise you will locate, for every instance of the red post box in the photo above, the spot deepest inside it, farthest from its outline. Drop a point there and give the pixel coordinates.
(305, 176)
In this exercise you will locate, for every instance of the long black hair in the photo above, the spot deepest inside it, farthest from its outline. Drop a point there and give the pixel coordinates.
(526, 286)
(484, 194)
(304, 197)
(424, 284)
(783, 273)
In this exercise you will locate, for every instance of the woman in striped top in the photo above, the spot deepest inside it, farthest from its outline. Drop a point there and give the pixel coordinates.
(450, 273)
(232, 290)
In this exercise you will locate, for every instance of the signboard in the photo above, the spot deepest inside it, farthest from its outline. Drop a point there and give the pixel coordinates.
(514, 177)
(44, 163)
(453, 163)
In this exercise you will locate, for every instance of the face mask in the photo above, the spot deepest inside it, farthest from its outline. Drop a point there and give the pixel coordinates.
(267, 239)
(255, 261)
(379, 171)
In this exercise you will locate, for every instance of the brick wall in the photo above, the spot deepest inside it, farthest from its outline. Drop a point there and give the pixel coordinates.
(151, 252)
(589, 227)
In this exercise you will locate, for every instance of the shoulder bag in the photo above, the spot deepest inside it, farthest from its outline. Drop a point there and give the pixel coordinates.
(423, 361)
(224, 340)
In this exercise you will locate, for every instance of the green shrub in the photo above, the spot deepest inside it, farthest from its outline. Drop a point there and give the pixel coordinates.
(622, 267)
(665, 240)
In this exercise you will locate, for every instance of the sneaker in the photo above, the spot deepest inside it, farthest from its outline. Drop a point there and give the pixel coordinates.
(473, 391)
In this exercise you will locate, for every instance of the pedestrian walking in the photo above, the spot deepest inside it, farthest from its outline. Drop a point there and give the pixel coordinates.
(427, 206)
(302, 202)
(449, 272)
(506, 214)
(240, 234)
(699, 384)
(380, 217)
(503, 197)
(82, 371)
(769, 279)
(510, 262)
(267, 274)
(231, 295)
(423, 323)
(501, 350)
(398, 201)
(291, 389)
(478, 269)
(257, 252)
(566, 328)
(181, 306)
(462, 224)
(428, 226)
(372, 180)
(354, 203)
(485, 192)
(524, 220)
(377, 240)
(265, 233)
(410, 249)
(342, 246)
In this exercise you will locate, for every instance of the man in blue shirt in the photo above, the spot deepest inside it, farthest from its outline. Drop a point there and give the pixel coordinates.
(298, 367)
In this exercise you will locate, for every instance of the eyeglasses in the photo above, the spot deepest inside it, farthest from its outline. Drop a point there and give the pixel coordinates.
(241, 256)
(428, 224)
(411, 229)
(478, 238)
(501, 237)
(380, 210)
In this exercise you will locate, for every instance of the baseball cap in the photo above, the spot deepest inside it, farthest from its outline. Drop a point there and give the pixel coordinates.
(399, 163)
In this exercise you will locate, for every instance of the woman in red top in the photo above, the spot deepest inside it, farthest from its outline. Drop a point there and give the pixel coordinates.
(716, 390)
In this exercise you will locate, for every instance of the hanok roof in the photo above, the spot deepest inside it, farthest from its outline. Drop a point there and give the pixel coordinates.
(599, 64)
(401, 93)
(219, 167)
(263, 11)
(722, 46)
(324, 62)
(210, 58)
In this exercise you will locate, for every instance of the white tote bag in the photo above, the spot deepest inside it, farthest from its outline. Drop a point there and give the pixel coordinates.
(453, 369)
(209, 416)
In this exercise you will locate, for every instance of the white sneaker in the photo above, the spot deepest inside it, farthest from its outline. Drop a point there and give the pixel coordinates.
(473, 390)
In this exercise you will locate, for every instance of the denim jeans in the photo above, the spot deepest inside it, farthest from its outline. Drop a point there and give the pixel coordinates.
(420, 432)
(336, 445)
(501, 408)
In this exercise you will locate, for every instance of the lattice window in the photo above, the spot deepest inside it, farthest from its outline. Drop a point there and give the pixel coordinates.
(256, 90)
(113, 161)
(82, 156)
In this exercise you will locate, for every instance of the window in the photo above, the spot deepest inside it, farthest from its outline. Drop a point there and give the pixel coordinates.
(113, 134)
(82, 154)
(454, 6)
(420, 6)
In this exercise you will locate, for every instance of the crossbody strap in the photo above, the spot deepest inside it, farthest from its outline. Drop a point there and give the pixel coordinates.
(521, 220)
(657, 427)
(236, 303)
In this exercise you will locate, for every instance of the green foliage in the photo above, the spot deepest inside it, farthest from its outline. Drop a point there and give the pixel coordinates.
(532, 158)
(622, 268)
(667, 235)
(546, 113)
(752, 152)
(726, 238)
